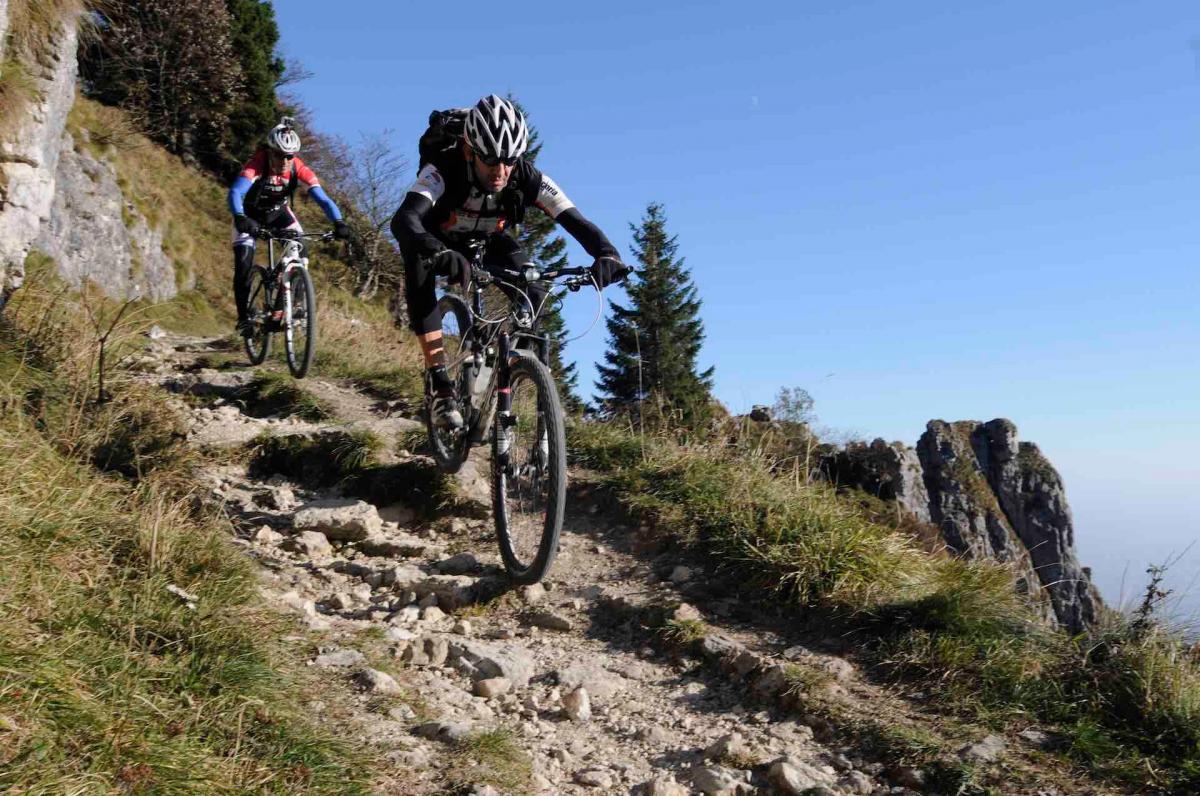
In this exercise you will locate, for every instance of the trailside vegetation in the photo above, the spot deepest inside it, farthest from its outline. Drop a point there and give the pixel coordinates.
(1122, 698)
(655, 341)
(135, 653)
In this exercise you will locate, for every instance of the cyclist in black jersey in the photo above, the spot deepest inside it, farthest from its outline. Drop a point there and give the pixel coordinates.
(479, 189)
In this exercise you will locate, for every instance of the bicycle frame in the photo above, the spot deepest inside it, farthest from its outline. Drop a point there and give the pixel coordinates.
(290, 258)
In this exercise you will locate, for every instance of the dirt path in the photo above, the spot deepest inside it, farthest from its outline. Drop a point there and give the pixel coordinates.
(570, 676)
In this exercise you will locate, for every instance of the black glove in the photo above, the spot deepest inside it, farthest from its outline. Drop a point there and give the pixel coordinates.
(454, 266)
(245, 224)
(607, 270)
(342, 231)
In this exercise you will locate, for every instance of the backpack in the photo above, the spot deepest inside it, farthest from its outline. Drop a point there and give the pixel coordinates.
(443, 134)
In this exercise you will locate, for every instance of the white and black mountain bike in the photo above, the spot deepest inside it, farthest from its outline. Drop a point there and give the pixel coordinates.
(505, 390)
(282, 299)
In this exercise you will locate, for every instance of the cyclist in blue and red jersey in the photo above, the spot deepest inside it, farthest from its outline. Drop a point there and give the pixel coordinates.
(261, 197)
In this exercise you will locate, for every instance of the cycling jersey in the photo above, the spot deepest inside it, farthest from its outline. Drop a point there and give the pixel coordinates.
(259, 192)
(444, 208)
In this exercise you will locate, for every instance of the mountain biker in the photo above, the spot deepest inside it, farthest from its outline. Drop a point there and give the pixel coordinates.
(261, 197)
(476, 189)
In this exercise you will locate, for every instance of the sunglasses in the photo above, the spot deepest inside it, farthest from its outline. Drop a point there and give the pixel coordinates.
(493, 162)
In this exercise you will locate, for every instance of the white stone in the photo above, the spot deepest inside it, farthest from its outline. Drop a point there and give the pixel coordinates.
(577, 705)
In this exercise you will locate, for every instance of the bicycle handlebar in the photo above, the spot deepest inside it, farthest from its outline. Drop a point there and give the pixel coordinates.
(287, 234)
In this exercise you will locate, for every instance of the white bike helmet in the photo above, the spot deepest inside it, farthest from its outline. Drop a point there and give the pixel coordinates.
(496, 129)
(283, 138)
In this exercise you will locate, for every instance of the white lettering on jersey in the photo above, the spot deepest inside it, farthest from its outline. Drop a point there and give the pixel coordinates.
(479, 213)
(429, 183)
(551, 200)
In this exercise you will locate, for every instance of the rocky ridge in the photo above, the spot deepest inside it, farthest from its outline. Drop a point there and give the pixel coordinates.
(990, 496)
(416, 619)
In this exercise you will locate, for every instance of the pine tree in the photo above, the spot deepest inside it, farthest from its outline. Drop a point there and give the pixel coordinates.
(548, 251)
(654, 342)
(254, 35)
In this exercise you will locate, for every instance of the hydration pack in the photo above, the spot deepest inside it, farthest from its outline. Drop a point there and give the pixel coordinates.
(443, 134)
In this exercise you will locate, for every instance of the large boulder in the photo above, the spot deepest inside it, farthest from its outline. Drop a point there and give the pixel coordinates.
(339, 519)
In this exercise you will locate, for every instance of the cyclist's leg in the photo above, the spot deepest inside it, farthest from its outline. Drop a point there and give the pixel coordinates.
(243, 262)
(421, 296)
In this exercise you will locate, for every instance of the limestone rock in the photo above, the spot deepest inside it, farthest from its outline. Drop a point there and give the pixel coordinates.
(985, 751)
(595, 778)
(461, 564)
(377, 682)
(397, 546)
(577, 705)
(664, 786)
(549, 620)
(888, 470)
(482, 659)
(598, 681)
(339, 519)
(339, 658)
(310, 543)
(995, 497)
(32, 149)
(492, 687)
(794, 776)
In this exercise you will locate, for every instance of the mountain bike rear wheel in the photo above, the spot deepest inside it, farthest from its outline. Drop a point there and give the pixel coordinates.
(451, 446)
(258, 313)
(529, 471)
(300, 339)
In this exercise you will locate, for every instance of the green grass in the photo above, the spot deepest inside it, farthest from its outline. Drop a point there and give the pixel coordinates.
(492, 758)
(1128, 703)
(277, 393)
(108, 682)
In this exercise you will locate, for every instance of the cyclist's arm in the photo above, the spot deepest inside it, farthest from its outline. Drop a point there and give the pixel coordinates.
(250, 172)
(408, 224)
(553, 202)
(307, 176)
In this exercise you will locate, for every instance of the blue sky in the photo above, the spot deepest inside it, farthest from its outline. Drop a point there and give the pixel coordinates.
(914, 211)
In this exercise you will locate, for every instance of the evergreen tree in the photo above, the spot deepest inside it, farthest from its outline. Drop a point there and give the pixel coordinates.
(548, 251)
(254, 36)
(654, 342)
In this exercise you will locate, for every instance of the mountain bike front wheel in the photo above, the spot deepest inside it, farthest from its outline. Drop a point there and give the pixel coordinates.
(300, 338)
(529, 471)
(258, 313)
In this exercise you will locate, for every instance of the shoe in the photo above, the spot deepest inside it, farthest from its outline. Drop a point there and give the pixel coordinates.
(245, 328)
(445, 413)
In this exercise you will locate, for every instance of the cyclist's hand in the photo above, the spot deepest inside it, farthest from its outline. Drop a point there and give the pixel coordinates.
(454, 266)
(607, 270)
(245, 225)
(342, 231)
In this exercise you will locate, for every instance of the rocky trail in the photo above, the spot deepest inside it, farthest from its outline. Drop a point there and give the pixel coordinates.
(461, 679)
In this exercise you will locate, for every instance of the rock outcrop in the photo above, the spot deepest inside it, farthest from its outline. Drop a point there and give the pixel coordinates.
(888, 470)
(992, 497)
(95, 234)
(29, 154)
